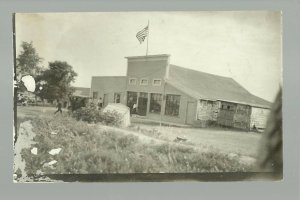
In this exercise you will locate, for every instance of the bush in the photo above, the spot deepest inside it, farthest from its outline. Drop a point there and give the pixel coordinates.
(92, 115)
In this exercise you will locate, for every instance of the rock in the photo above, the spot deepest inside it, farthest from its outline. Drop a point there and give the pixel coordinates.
(34, 151)
(50, 164)
(180, 139)
(55, 151)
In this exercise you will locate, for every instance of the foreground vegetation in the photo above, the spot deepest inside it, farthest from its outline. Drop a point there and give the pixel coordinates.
(87, 149)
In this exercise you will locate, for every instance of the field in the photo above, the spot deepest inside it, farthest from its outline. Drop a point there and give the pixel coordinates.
(140, 148)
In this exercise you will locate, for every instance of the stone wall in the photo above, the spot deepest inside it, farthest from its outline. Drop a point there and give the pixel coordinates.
(259, 117)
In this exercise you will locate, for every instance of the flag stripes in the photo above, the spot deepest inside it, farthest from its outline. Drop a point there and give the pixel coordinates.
(141, 35)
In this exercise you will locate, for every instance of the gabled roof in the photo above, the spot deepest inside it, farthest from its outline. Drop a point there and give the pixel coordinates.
(81, 92)
(202, 85)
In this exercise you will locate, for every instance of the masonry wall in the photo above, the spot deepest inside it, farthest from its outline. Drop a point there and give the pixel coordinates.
(241, 117)
(259, 117)
(226, 114)
(207, 112)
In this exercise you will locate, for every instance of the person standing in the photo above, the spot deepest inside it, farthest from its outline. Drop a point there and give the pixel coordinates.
(58, 106)
(134, 108)
(100, 103)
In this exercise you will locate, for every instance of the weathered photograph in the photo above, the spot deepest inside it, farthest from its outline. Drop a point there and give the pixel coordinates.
(147, 96)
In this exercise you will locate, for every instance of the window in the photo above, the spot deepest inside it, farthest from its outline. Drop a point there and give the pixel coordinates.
(228, 107)
(132, 81)
(117, 97)
(143, 94)
(155, 103)
(172, 105)
(144, 81)
(156, 82)
(95, 95)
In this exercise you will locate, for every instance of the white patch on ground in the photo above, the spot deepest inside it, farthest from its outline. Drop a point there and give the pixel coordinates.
(34, 151)
(55, 151)
(25, 140)
(50, 164)
(29, 83)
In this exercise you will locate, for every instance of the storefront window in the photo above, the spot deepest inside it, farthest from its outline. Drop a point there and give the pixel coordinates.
(155, 103)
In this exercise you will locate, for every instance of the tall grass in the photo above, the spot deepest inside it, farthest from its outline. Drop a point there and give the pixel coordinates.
(87, 149)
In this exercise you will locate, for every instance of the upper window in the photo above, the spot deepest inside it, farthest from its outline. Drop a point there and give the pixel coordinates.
(172, 105)
(144, 81)
(155, 103)
(132, 81)
(157, 82)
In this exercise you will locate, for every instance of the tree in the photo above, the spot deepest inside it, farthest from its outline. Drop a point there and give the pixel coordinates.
(56, 81)
(28, 61)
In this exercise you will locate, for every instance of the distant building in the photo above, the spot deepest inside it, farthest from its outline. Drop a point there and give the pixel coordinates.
(81, 92)
(175, 94)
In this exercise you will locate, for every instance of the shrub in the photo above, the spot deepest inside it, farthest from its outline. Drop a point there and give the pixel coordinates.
(92, 115)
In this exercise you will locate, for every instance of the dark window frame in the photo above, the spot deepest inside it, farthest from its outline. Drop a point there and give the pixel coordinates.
(115, 95)
(135, 81)
(155, 103)
(144, 79)
(156, 79)
(172, 105)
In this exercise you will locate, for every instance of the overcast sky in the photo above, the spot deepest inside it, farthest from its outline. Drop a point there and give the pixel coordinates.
(243, 45)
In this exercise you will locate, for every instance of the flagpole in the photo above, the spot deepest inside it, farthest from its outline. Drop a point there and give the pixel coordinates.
(147, 39)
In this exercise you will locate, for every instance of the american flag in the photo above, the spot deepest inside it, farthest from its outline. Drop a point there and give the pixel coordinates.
(141, 35)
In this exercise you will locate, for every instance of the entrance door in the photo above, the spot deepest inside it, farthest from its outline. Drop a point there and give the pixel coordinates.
(190, 112)
(131, 100)
(142, 106)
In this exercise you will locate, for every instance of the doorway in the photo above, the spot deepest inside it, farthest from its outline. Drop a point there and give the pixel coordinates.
(142, 103)
(190, 113)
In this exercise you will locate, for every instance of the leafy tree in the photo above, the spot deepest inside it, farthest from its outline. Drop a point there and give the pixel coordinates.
(28, 61)
(56, 81)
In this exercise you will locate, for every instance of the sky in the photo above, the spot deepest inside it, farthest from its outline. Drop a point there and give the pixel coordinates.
(243, 45)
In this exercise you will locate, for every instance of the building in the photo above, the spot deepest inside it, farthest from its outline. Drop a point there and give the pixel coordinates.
(169, 93)
(81, 92)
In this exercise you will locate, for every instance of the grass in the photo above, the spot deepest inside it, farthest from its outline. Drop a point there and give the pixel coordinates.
(225, 140)
(88, 150)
